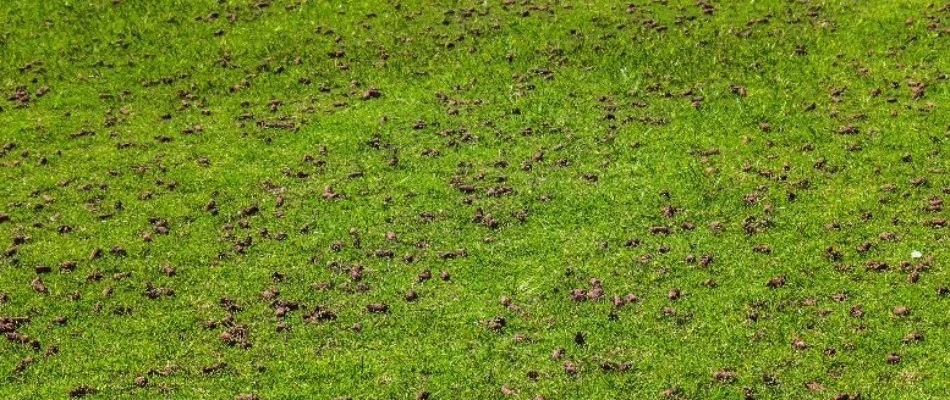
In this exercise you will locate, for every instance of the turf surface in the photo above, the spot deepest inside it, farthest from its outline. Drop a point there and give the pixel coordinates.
(519, 199)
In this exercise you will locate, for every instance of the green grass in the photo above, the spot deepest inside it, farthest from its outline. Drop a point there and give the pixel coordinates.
(593, 85)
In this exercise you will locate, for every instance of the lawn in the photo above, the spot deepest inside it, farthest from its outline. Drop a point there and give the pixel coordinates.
(246, 199)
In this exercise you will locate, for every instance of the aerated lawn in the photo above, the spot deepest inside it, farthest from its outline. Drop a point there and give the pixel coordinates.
(245, 199)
